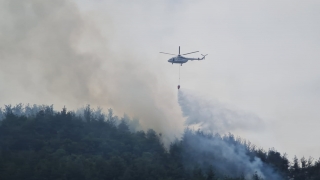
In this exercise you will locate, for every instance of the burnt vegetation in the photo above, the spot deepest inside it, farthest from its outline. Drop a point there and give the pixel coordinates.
(37, 143)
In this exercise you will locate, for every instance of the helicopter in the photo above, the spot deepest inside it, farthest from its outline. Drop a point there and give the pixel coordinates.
(179, 59)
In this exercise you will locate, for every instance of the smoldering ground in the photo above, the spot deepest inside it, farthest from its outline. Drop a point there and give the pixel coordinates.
(51, 52)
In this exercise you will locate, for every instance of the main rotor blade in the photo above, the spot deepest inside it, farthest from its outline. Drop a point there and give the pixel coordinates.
(190, 52)
(168, 53)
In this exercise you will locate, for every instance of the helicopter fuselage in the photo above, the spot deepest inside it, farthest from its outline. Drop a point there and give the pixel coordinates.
(180, 59)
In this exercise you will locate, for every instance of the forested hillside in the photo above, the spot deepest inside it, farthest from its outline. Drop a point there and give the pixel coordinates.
(39, 143)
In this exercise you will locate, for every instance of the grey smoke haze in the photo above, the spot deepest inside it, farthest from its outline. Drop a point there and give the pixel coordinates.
(51, 52)
(214, 116)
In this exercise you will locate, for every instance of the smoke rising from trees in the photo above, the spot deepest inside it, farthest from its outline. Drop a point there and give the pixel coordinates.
(52, 52)
(225, 154)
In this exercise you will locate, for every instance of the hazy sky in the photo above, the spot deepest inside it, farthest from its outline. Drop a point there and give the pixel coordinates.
(263, 59)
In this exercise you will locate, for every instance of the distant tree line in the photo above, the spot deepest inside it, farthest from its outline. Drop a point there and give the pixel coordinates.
(37, 143)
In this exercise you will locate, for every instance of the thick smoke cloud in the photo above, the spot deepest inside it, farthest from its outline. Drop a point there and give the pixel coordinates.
(214, 116)
(39, 52)
(51, 52)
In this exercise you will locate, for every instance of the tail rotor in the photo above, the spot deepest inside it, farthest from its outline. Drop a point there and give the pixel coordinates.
(204, 56)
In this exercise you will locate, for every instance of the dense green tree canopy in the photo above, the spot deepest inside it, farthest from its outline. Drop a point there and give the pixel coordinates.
(39, 143)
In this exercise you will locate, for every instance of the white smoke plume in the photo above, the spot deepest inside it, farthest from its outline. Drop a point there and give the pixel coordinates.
(214, 116)
(226, 154)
